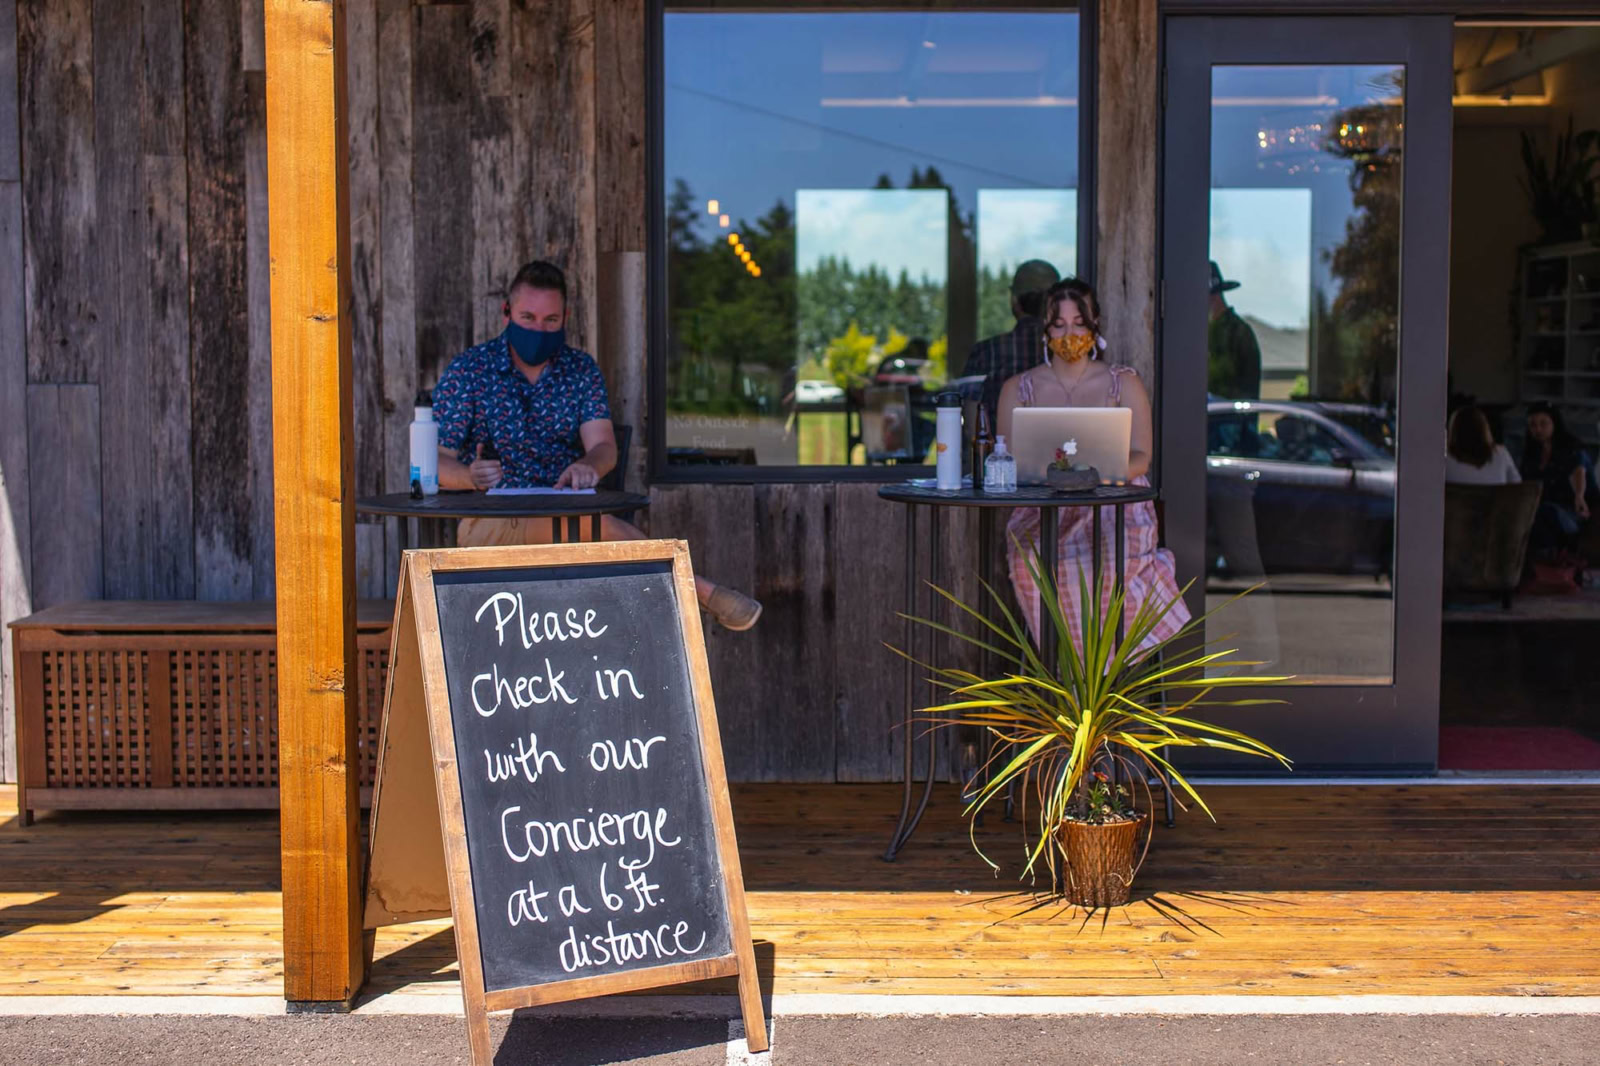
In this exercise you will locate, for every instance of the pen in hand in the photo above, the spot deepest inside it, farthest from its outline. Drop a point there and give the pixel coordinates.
(486, 469)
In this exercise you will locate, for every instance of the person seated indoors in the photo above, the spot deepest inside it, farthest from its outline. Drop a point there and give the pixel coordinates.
(1074, 372)
(1471, 455)
(542, 405)
(1554, 457)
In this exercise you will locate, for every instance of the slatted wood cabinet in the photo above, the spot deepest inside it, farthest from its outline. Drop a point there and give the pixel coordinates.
(148, 705)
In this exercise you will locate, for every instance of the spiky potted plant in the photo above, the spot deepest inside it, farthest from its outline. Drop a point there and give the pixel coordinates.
(1082, 735)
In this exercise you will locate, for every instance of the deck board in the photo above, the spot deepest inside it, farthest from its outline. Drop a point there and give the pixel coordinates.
(1295, 891)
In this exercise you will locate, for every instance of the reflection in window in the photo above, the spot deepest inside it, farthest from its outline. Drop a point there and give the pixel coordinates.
(847, 195)
(1302, 360)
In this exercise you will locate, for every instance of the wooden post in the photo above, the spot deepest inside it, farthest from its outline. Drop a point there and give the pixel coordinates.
(1129, 64)
(313, 474)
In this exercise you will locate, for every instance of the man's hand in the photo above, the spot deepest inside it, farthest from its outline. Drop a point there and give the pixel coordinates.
(580, 475)
(1582, 507)
(486, 473)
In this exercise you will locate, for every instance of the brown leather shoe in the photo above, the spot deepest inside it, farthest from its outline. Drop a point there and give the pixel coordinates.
(733, 609)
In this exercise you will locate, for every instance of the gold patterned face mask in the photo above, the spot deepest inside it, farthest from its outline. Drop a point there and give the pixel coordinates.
(1071, 346)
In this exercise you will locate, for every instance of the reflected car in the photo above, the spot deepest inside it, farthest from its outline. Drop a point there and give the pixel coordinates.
(1299, 488)
(817, 392)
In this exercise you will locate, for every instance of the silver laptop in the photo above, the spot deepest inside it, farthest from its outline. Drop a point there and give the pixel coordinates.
(1102, 436)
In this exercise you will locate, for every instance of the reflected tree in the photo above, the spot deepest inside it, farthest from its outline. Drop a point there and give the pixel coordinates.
(1356, 334)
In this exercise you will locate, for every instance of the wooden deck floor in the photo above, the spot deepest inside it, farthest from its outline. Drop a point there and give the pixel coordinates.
(1304, 891)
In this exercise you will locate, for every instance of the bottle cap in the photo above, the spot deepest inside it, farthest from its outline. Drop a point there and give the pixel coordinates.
(424, 398)
(1000, 445)
(947, 398)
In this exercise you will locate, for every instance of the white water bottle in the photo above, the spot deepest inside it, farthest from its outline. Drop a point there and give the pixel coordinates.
(424, 447)
(1000, 469)
(947, 441)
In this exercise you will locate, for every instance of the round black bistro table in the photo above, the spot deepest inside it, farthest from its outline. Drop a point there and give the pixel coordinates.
(915, 497)
(433, 512)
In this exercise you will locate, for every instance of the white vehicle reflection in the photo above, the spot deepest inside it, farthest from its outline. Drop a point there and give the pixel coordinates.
(817, 392)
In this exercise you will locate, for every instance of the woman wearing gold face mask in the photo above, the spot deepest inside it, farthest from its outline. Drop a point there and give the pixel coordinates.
(1073, 372)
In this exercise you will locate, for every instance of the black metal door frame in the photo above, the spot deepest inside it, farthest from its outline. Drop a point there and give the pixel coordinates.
(1369, 728)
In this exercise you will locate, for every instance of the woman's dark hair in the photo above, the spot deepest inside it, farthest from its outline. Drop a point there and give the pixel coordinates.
(539, 275)
(1560, 436)
(1083, 297)
(1470, 440)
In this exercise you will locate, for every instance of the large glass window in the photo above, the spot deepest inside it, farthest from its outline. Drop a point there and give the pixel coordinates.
(1302, 365)
(848, 195)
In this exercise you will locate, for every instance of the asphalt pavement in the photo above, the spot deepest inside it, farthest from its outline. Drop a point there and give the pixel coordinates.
(389, 1040)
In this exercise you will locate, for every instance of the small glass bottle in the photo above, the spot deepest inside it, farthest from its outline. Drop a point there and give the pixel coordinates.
(982, 445)
(1000, 469)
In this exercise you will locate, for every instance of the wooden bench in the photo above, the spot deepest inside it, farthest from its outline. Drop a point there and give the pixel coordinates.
(130, 704)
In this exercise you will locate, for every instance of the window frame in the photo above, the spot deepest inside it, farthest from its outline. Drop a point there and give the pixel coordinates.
(660, 471)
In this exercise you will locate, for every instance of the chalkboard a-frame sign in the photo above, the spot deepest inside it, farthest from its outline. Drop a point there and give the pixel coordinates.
(550, 774)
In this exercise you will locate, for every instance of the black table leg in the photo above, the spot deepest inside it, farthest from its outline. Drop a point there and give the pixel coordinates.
(403, 533)
(909, 684)
(966, 740)
(936, 650)
(555, 531)
(1050, 563)
(1096, 554)
(574, 528)
(1120, 575)
(594, 528)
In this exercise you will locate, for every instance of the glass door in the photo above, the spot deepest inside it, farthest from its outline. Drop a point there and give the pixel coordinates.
(1305, 262)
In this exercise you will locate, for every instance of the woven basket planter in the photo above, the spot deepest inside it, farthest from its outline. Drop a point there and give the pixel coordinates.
(1101, 859)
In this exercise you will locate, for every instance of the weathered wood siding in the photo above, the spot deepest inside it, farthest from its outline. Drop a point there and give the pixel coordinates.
(135, 335)
(15, 523)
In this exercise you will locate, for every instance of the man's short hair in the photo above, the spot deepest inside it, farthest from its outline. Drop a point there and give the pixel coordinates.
(539, 274)
(1028, 286)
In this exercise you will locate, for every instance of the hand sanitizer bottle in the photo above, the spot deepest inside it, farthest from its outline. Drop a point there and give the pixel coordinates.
(424, 447)
(1000, 469)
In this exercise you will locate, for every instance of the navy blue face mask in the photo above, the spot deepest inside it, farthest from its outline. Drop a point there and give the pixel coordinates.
(535, 347)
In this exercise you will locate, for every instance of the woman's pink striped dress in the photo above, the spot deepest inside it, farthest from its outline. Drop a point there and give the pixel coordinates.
(1151, 573)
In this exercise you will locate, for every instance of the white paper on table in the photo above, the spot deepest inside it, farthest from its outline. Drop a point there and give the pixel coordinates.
(540, 490)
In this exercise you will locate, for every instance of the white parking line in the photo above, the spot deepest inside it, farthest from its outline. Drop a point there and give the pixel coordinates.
(739, 1053)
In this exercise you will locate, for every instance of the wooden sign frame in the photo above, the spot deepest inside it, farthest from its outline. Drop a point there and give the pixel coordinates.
(414, 874)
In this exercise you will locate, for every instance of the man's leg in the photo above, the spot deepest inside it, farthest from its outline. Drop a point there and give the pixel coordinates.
(732, 608)
(728, 606)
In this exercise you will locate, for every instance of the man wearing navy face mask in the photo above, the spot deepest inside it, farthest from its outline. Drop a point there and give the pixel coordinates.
(542, 405)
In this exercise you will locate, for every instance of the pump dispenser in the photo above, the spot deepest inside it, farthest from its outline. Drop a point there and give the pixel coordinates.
(1000, 469)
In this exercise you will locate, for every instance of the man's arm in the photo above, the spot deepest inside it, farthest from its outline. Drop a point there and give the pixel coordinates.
(599, 456)
(483, 474)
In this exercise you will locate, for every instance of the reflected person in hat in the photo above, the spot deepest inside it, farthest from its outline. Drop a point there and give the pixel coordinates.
(1233, 356)
(1006, 355)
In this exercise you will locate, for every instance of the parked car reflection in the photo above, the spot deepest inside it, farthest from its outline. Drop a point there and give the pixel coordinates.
(1299, 488)
(817, 392)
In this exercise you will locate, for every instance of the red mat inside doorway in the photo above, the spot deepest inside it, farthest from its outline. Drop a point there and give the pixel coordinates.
(1470, 747)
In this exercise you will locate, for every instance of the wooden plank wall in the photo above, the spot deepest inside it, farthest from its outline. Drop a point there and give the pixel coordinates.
(135, 337)
(16, 599)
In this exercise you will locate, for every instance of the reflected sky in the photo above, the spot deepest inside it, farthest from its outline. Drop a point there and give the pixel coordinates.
(1261, 238)
(760, 105)
(1280, 199)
